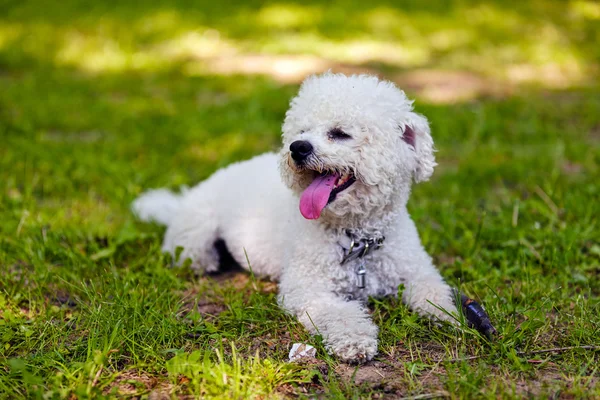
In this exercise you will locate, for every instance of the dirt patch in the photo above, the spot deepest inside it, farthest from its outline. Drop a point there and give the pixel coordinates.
(135, 383)
(205, 302)
(426, 352)
(62, 298)
(549, 382)
(391, 378)
(241, 279)
(533, 388)
(271, 345)
(376, 373)
(206, 298)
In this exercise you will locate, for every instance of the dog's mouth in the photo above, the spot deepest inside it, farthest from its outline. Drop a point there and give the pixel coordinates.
(322, 191)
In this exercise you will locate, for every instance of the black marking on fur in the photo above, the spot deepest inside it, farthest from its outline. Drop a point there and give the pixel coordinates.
(409, 136)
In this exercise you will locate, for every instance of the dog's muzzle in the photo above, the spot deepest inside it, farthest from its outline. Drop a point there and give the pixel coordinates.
(300, 150)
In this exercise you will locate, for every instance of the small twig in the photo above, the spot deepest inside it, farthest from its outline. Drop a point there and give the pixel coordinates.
(430, 372)
(95, 381)
(545, 362)
(252, 276)
(515, 214)
(458, 359)
(546, 199)
(532, 249)
(22, 222)
(433, 395)
(558, 350)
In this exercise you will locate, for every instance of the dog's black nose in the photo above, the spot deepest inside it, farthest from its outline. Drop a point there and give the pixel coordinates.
(300, 149)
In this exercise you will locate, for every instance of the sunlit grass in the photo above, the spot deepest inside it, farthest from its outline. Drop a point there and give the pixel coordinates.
(239, 378)
(100, 101)
(585, 9)
(545, 45)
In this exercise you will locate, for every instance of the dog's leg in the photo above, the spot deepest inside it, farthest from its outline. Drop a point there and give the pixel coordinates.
(194, 229)
(346, 326)
(426, 293)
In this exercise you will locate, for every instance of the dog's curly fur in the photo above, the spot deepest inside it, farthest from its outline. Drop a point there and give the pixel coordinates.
(254, 209)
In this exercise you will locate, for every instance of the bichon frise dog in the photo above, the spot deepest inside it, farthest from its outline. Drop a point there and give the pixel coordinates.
(352, 146)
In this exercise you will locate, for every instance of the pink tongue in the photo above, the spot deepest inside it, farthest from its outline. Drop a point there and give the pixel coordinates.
(315, 196)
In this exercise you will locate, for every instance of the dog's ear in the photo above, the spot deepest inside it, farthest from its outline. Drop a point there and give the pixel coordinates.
(416, 134)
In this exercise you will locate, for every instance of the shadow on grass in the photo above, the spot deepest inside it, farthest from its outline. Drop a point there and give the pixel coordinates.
(102, 100)
(543, 42)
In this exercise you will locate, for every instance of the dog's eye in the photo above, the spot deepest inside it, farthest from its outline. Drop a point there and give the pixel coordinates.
(338, 134)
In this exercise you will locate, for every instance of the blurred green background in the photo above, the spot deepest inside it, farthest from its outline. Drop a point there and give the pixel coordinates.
(102, 100)
(109, 96)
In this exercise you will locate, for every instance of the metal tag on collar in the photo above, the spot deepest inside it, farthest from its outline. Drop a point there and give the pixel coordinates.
(361, 273)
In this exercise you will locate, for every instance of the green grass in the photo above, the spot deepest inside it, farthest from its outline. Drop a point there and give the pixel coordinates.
(101, 101)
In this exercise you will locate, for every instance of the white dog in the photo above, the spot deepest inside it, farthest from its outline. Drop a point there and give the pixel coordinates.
(351, 148)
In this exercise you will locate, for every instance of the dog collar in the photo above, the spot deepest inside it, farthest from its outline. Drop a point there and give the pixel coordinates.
(358, 248)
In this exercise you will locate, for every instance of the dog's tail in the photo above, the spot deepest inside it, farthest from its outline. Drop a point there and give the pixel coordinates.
(158, 205)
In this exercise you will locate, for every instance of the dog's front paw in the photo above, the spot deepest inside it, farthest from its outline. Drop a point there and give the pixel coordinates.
(440, 308)
(354, 346)
(357, 352)
(435, 302)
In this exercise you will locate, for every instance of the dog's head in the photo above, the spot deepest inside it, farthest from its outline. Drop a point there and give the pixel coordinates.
(352, 145)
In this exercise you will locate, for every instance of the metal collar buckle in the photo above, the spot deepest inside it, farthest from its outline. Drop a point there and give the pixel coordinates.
(362, 247)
